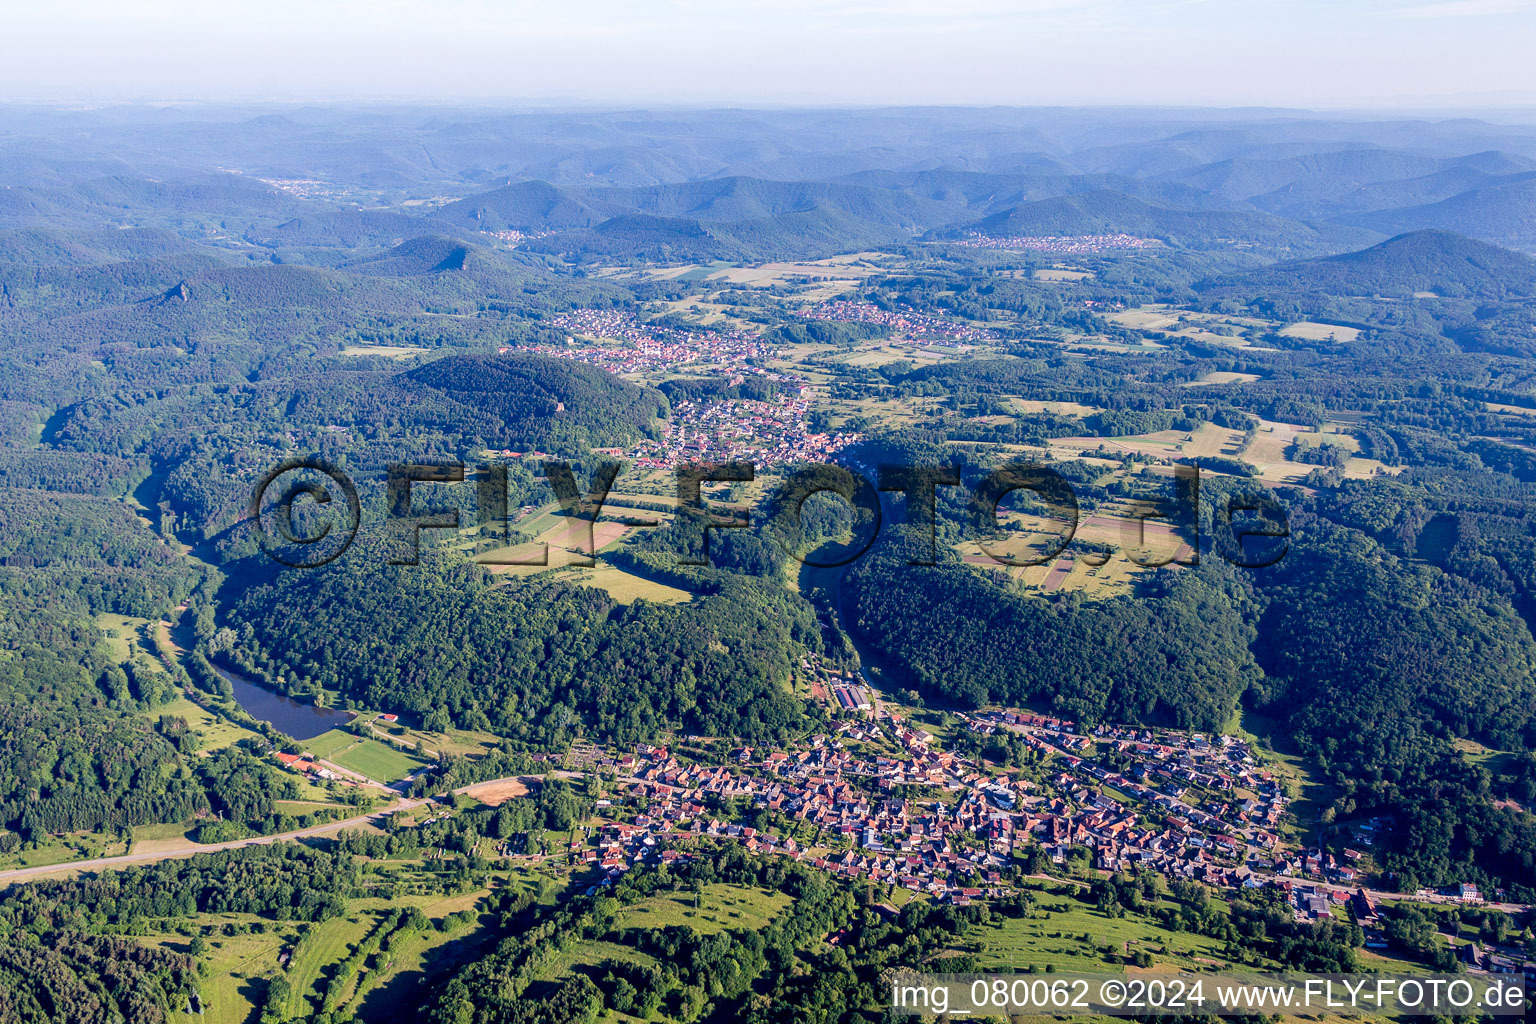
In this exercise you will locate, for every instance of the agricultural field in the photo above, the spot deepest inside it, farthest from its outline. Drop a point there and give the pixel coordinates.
(1030, 534)
(1062, 274)
(1267, 453)
(561, 541)
(1207, 439)
(1093, 343)
(1030, 406)
(880, 412)
(625, 587)
(1509, 410)
(1114, 578)
(700, 311)
(814, 280)
(494, 794)
(1205, 328)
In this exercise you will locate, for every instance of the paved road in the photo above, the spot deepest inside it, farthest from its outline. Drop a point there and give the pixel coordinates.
(123, 860)
(190, 849)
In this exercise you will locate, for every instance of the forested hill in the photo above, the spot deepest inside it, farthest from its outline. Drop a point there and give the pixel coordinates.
(431, 254)
(540, 398)
(731, 217)
(523, 206)
(1422, 263)
(1108, 212)
(1501, 210)
(536, 661)
(1177, 654)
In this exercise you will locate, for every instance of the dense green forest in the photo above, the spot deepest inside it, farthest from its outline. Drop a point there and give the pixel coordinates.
(538, 662)
(1177, 655)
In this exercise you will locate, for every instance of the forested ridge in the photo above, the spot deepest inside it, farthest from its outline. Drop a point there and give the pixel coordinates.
(536, 661)
(1177, 654)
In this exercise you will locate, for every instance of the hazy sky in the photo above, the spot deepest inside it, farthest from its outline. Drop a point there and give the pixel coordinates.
(1205, 52)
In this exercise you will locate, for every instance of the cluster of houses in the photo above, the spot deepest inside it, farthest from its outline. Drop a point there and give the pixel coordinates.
(305, 766)
(880, 800)
(1067, 245)
(768, 433)
(513, 238)
(970, 822)
(648, 348)
(902, 322)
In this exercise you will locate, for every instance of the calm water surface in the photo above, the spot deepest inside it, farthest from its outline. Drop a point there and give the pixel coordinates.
(301, 721)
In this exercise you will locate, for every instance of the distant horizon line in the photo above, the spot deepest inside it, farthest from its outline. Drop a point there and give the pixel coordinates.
(1446, 106)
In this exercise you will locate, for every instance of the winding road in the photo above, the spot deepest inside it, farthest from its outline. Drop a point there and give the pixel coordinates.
(190, 849)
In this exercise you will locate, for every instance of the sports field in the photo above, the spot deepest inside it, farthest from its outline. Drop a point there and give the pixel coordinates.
(373, 758)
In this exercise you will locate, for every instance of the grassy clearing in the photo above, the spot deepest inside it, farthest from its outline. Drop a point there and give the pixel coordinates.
(462, 742)
(1310, 794)
(238, 967)
(589, 953)
(326, 943)
(1054, 937)
(127, 637)
(63, 849)
(389, 351)
(1222, 377)
(1496, 761)
(627, 588)
(1311, 331)
(159, 838)
(217, 732)
(721, 907)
